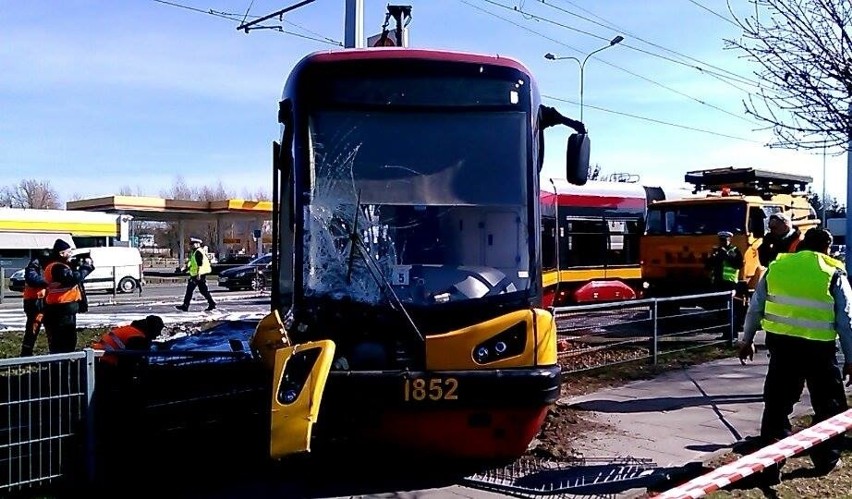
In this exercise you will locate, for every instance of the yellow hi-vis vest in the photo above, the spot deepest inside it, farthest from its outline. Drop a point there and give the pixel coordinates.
(194, 268)
(729, 272)
(799, 301)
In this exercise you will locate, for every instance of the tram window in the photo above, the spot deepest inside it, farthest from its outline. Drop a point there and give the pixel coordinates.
(548, 243)
(623, 242)
(587, 243)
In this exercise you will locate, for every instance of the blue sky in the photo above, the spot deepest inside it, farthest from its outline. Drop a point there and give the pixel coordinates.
(98, 95)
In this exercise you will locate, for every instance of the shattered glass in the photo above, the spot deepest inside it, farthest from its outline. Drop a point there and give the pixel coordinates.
(430, 207)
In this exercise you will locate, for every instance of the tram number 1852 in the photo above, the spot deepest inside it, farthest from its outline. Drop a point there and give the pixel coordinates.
(435, 389)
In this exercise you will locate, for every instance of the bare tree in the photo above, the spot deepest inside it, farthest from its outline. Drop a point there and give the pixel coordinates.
(206, 230)
(179, 190)
(260, 194)
(213, 193)
(31, 193)
(126, 190)
(209, 230)
(804, 52)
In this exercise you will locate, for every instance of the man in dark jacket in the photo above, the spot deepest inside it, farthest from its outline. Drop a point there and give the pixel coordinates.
(782, 238)
(64, 296)
(35, 288)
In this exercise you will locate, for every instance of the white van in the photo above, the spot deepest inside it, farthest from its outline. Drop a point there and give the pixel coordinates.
(116, 268)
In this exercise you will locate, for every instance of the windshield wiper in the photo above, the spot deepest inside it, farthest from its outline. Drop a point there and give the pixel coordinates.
(352, 235)
(374, 269)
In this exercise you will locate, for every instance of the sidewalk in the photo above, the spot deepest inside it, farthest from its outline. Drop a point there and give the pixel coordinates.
(679, 417)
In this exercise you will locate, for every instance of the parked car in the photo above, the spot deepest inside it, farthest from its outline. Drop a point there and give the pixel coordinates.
(253, 275)
(230, 262)
(16, 281)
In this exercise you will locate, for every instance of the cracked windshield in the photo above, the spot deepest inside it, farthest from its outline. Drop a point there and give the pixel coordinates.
(429, 206)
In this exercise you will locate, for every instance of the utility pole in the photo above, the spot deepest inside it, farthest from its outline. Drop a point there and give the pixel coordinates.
(354, 30)
(402, 16)
(615, 41)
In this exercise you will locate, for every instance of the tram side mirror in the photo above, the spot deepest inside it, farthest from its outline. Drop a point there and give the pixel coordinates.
(757, 228)
(756, 222)
(577, 159)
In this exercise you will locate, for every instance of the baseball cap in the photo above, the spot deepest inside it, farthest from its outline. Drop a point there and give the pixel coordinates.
(780, 216)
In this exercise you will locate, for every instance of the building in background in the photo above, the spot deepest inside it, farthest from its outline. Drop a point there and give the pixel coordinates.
(25, 231)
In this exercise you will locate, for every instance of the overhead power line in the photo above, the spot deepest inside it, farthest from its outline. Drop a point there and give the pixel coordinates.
(278, 13)
(236, 18)
(537, 17)
(602, 61)
(247, 11)
(720, 16)
(653, 120)
(610, 25)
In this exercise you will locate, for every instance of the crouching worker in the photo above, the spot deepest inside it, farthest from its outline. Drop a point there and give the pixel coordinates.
(121, 402)
(137, 336)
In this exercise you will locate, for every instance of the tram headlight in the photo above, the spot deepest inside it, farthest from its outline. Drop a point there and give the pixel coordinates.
(508, 343)
(482, 354)
(295, 375)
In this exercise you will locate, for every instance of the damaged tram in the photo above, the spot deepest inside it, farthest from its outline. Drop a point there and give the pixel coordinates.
(407, 295)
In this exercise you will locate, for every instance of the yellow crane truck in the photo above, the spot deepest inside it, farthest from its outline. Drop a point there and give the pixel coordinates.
(680, 234)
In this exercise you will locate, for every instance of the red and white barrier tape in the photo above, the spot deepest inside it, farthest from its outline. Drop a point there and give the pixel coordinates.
(760, 460)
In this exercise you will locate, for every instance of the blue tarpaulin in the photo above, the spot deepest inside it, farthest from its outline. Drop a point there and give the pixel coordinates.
(231, 338)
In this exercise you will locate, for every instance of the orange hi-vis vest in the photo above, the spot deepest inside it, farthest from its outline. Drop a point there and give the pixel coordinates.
(56, 292)
(794, 245)
(34, 293)
(116, 339)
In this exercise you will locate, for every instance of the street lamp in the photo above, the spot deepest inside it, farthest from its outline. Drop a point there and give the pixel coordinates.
(615, 41)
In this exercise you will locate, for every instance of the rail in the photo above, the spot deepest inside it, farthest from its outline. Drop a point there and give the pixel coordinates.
(605, 334)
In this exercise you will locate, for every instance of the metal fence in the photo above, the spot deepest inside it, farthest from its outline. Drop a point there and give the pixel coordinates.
(593, 336)
(45, 403)
(56, 430)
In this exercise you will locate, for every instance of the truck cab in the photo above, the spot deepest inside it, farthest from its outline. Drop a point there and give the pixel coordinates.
(680, 234)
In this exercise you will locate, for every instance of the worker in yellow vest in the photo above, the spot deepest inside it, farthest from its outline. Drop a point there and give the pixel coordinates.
(725, 262)
(802, 302)
(198, 267)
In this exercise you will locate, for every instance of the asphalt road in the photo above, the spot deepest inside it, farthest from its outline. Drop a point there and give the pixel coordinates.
(109, 310)
(150, 293)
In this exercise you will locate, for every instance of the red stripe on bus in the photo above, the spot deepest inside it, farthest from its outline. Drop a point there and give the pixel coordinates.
(601, 201)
